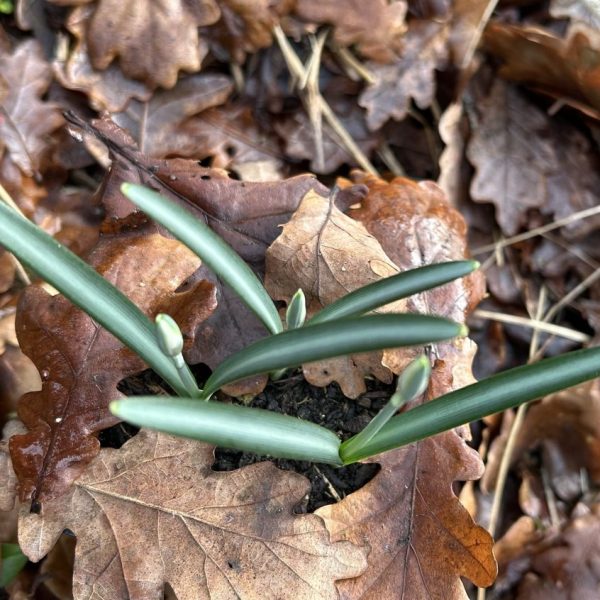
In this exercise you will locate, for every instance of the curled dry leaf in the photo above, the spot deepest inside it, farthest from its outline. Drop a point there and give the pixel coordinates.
(153, 43)
(155, 125)
(81, 364)
(328, 255)
(564, 68)
(108, 89)
(153, 512)
(412, 76)
(376, 30)
(8, 485)
(421, 539)
(25, 120)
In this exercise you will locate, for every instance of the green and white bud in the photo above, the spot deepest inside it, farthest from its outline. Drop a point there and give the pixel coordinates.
(413, 381)
(296, 311)
(168, 335)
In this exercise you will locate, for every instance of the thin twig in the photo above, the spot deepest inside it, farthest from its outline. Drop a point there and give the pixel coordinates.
(389, 158)
(297, 70)
(582, 214)
(565, 332)
(352, 63)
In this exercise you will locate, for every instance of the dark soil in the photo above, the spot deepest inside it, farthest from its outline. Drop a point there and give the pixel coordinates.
(292, 396)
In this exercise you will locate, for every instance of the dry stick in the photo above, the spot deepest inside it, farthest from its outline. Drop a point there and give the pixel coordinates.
(474, 42)
(510, 442)
(20, 270)
(391, 162)
(582, 214)
(298, 72)
(565, 332)
(352, 63)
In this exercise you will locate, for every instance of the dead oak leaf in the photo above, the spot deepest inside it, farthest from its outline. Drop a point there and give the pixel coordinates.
(153, 39)
(421, 539)
(108, 89)
(155, 124)
(511, 156)
(411, 76)
(153, 512)
(567, 69)
(26, 121)
(416, 226)
(81, 363)
(328, 255)
(376, 31)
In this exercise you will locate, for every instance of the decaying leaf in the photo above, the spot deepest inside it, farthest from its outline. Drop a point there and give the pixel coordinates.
(511, 155)
(246, 26)
(25, 120)
(416, 226)
(8, 485)
(376, 30)
(152, 40)
(412, 76)
(566, 427)
(328, 255)
(81, 363)
(153, 512)
(564, 68)
(108, 89)
(421, 539)
(155, 124)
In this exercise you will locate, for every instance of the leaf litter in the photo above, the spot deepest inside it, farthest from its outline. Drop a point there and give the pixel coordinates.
(171, 100)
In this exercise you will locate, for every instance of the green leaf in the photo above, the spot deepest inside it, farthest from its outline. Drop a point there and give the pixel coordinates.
(495, 394)
(232, 426)
(213, 250)
(13, 560)
(85, 288)
(326, 340)
(394, 288)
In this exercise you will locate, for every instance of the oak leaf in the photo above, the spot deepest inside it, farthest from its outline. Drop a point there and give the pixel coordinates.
(412, 76)
(567, 69)
(421, 539)
(26, 121)
(155, 124)
(328, 255)
(153, 39)
(376, 31)
(108, 89)
(81, 363)
(154, 513)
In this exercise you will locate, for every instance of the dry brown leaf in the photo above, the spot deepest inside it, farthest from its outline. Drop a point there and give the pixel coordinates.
(153, 39)
(155, 125)
(566, 427)
(108, 89)
(8, 485)
(328, 255)
(7, 271)
(81, 364)
(246, 26)
(421, 539)
(568, 69)
(153, 512)
(466, 29)
(416, 226)
(57, 569)
(512, 156)
(566, 566)
(583, 11)
(25, 120)
(412, 76)
(376, 29)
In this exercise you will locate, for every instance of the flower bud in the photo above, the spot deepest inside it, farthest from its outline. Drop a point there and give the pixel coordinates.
(168, 335)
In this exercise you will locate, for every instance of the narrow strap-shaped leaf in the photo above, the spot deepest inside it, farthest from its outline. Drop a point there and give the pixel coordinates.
(326, 340)
(394, 288)
(77, 281)
(213, 250)
(13, 560)
(495, 394)
(231, 426)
